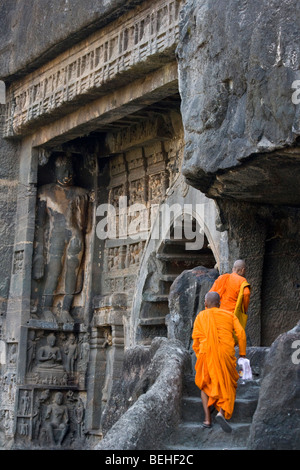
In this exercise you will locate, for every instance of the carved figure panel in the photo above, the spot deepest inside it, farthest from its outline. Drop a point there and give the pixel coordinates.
(56, 358)
(50, 418)
(156, 187)
(63, 221)
(138, 191)
(115, 194)
(115, 258)
(18, 262)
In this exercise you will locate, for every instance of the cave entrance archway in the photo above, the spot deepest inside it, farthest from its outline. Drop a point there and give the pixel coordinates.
(173, 256)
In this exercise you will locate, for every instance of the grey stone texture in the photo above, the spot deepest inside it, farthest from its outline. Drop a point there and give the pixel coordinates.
(186, 300)
(237, 64)
(35, 31)
(266, 237)
(155, 393)
(9, 169)
(275, 424)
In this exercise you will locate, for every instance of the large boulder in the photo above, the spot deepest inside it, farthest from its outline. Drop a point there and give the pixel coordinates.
(186, 300)
(275, 424)
(238, 61)
(152, 395)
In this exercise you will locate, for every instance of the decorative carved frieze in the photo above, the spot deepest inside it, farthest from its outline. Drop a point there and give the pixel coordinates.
(147, 34)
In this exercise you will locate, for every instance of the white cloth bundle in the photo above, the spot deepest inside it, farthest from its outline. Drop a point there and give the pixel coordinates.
(245, 371)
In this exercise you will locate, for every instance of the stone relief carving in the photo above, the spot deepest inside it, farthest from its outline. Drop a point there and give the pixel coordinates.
(115, 195)
(156, 187)
(84, 352)
(12, 354)
(50, 418)
(18, 262)
(113, 50)
(25, 403)
(57, 358)
(71, 351)
(56, 423)
(107, 343)
(137, 191)
(63, 220)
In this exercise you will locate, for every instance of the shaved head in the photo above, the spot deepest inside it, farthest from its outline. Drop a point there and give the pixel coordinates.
(239, 267)
(212, 299)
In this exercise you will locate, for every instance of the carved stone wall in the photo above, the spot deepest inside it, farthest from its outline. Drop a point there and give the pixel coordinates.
(72, 310)
(143, 39)
(140, 171)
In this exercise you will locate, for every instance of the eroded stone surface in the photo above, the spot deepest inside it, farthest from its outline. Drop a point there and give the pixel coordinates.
(237, 65)
(275, 424)
(44, 28)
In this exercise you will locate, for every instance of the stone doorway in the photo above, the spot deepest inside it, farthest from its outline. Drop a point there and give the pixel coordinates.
(174, 256)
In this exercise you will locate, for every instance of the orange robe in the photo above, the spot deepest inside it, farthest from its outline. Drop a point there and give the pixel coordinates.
(234, 291)
(213, 344)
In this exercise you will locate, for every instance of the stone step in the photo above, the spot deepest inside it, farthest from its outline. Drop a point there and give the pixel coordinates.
(245, 388)
(168, 277)
(152, 297)
(152, 321)
(189, 435)
(175, 241)
(182, 256)
(193, 436)
(192, 410)
(187, 448)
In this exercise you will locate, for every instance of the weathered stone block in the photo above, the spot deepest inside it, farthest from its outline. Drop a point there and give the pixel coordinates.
(275, 424)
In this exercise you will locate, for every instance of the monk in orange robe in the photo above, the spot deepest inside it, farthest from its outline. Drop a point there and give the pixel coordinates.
(234, 291)
(216, 373)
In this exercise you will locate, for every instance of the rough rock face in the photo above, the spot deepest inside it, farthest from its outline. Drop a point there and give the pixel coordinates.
(275, 424)
(32, 32)
(151, 395)
(186, 299)
(8, 206)
(238, 61)
(126, 391)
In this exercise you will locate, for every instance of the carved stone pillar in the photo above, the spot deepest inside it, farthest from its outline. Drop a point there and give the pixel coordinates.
(107, 353)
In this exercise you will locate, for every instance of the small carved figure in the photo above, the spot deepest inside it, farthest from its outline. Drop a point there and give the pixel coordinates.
(37, 417)
(79, 415)
(107, 343)
(13, 354)
(107, 338)
(23, 428)
(31, 350)
(71, 350)
(62, 223)
(56, 422)
(25, 403)
(84, 351)
(50, 355)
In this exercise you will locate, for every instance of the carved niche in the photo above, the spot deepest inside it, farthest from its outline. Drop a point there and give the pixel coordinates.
(57, 358)
(63, 225)
(50, 418)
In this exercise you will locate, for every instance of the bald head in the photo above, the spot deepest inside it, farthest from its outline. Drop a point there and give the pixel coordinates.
(212, 299)
(239, 267)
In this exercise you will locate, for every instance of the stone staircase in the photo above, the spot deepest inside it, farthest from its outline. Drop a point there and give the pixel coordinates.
(189, 434)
